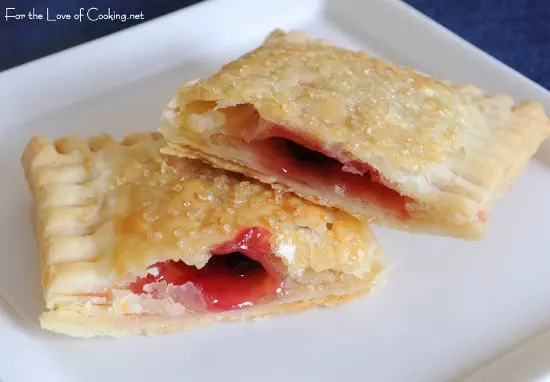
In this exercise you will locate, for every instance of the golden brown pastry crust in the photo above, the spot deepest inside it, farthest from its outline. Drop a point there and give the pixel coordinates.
(106, 211)
(453, 150)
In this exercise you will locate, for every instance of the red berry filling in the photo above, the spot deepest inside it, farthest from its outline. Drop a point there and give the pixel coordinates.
(240, 273)
(303, 160)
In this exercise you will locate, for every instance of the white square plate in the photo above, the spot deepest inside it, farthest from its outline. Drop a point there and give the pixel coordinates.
(449, 305)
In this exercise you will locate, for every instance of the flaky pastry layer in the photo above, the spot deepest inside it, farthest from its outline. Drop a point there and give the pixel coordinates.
(106, 211)
(77, 321)
(451, 150)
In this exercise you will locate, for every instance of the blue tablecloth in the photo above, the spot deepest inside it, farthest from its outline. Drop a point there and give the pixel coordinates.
(516, 32)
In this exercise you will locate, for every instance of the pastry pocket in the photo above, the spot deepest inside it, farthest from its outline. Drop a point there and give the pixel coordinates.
(135, 242)
(359, 133)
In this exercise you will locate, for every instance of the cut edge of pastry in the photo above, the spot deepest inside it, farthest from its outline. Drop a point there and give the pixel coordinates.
(470, 231)
(455, 204)
(77, 323)
(90, 312)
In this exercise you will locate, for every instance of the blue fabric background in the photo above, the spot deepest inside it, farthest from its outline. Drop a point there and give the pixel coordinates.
(516, 32)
